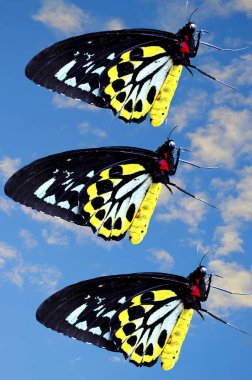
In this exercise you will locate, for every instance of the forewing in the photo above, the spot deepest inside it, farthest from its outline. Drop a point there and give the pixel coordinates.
(84, 311)
(53, 184)
(132, 81)
(73, 67)
(142, 327)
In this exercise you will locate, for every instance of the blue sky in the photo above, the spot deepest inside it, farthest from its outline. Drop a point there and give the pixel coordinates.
(40, 254)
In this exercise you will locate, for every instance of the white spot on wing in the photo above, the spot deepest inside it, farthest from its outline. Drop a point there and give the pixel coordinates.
(73, 317)
(107, 335)
(110, 313)
(96, 91)
(99, 70)
(85, 87)
(64, 204)
(71, 82)
(82, 325)
(147, 70)
(111, 56)
(50, 199)
(41, 191)
(90, 174)
(62, 73)
(122, 300)
(96, 330)
(78, 188)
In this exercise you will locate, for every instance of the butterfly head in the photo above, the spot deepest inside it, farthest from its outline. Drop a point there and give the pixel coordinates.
(199, 273)
(188, 29)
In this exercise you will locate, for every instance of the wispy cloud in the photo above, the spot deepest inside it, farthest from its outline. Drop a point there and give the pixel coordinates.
(63, 16)
(6, 205)
(161, 257)
(14, 269)
(86, 128)
(222, 126)
(55, 237)
(61, 102)
(44, 277)
(28, 239)
(235, 279)
(67, 18)
(186, 210)
(7, 253)
(8, 166)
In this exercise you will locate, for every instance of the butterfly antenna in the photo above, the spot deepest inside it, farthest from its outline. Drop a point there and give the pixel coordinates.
(211, 77)
(171, 132)
(222, 320)
(190, 194)
(195, 10)
(229, 292)
(207, 253)
(198, 166)
(221, 49)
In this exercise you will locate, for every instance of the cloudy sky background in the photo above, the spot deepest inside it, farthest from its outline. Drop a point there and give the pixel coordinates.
(40, 254)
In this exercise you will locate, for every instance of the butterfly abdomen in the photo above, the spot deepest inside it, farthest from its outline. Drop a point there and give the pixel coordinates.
(173, 346)
(141, 221)
(160, 108)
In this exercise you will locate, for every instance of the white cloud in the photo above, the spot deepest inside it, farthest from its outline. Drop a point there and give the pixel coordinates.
(61, 102)
(6, 205)
(115, 359)
(8, 166)
(67, 18)
(235, 279)
(43, 276)
(83, 234)
(230, 239)
(191, 109)
(85, 128)
(114, 24)
(63, 16)
(163, 258)
(187, 210)
(222, 126)
(55, 237)
(28, 239)
(238, 207)
(6, 253)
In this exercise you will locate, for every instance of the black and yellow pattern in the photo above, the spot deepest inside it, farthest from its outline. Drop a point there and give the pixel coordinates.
(131, 71)
(145, 326)
(113, 190)
(142, 315)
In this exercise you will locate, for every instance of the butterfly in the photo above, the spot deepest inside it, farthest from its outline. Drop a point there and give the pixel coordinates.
(131, 71)
(142, 315)
(111, 189)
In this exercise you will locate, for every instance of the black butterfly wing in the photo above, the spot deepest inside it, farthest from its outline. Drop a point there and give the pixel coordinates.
(53, 184)
(116, 311)
(73, 67)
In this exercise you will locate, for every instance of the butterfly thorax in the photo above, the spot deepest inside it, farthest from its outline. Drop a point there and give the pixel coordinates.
(187, 47)
(198, 288)
(166, 162)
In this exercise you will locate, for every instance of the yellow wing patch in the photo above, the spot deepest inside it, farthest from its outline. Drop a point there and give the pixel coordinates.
(145, 325)
(172, 349)
(161, 105)
(112, 201)
(134, 81)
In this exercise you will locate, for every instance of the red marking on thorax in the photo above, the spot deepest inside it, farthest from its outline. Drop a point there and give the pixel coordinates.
(195, 292)
(163, 164)
(184, 48)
